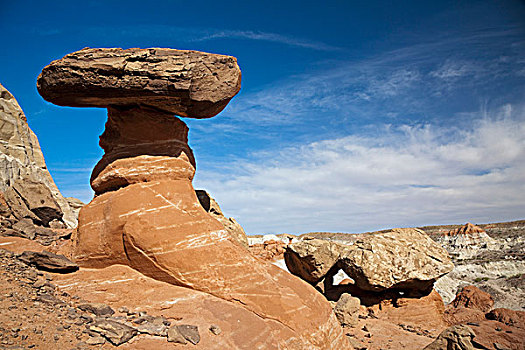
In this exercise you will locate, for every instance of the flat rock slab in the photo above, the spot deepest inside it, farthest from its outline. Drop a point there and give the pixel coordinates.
(190, 333)
(117, 333)
(97, 309)
(186, 83)
(48, 261)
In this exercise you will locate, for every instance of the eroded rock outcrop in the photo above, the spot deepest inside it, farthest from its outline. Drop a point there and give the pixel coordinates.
(405, 259)
(186, 83)
(402, 258)
(466, 241)
(26, 187)
(146, 213)
(491, 257)
(230, 224)
(312, 259)
(473, 298)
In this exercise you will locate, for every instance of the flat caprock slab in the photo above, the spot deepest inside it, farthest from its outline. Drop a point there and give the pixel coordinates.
(186, 83)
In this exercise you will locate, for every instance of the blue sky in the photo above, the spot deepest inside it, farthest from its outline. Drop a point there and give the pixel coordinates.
(353, 116)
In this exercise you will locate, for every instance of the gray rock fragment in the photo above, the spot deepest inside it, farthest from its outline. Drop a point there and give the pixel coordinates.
(98, 309)
(190, 333)
(117, 333)
(48, 261)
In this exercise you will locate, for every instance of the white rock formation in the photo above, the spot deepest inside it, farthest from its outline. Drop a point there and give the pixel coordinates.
(24, 179)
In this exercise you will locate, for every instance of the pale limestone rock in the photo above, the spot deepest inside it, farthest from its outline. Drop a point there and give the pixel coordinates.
(347, 310)
(402, 258)
(24, 177)
(312, 259)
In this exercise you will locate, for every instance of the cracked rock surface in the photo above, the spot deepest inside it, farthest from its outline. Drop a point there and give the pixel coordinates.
(186, 83)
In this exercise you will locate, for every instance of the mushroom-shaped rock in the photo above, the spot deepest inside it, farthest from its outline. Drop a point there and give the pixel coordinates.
(146, 213)
(186, 83)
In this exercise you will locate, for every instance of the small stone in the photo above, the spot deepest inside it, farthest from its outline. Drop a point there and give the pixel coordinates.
(40, 282)
(215, 329)
(174, 336)
(96, 340)
(48, 261)
(98, 309)
(117, 333)
(123, 310)
(152, 325)
(81, 345)
(498, 346)
(190, 333)
(347, 310)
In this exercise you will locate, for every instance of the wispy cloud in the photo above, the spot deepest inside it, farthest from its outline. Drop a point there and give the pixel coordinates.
(410, 175)
(265, 36)
(196, 34)
(410, 82)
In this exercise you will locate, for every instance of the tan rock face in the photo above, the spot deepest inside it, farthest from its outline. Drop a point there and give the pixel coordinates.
(312, 259)
(347, 310)
(402, 258)
(29, 191)
(422, 313)
(186, 83)
(241, 328)
(509, 317)
(230, 224)
(146, 213)
(456, 337)
(269, 250)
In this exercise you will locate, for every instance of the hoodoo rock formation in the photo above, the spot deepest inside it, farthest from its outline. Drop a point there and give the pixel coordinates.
(26, 188)
(146, 213)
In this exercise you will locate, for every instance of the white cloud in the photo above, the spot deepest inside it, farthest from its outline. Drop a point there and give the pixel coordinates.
(265, 36)
(405, 176)
(452, 70)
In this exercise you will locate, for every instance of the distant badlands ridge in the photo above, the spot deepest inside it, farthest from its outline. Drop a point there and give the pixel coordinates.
(430, 230)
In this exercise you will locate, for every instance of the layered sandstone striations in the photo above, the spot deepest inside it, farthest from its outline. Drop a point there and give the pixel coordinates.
(146, 213)
(26, 188)
(466, 241)
(230, 224)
